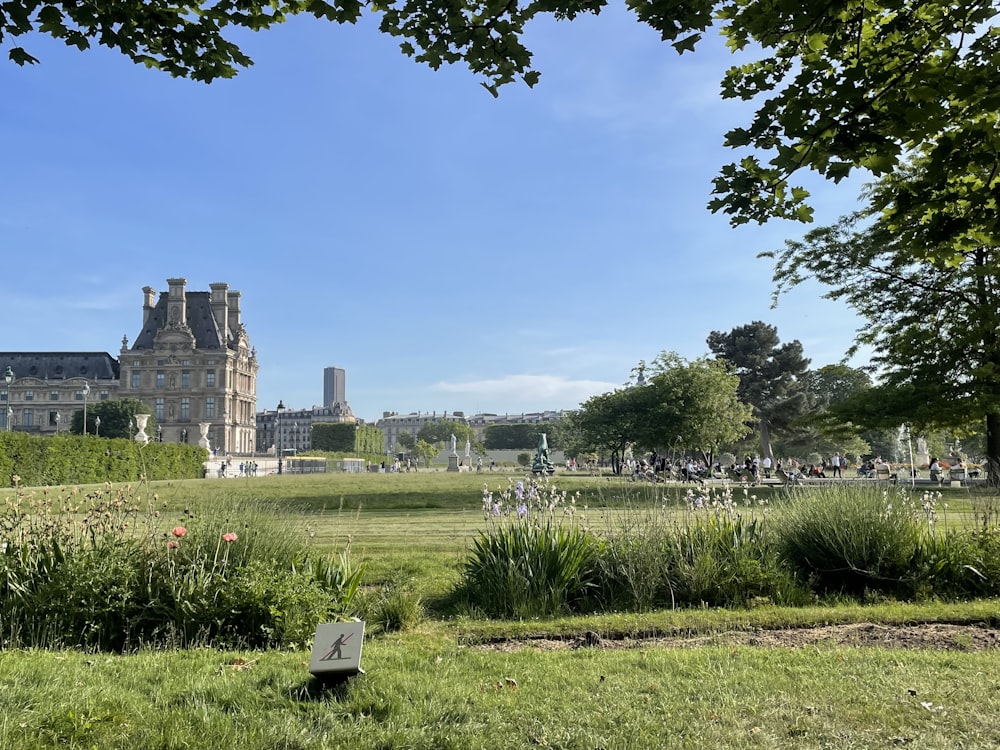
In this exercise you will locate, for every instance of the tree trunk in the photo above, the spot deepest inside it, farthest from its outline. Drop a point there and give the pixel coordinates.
(765, 438)
(993, 449)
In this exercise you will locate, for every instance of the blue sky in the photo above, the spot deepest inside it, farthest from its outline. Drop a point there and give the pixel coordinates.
(450, 250)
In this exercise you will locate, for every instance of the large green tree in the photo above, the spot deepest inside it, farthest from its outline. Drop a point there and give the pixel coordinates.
(926, 278)
(821, 430)
(117, 418)
(838, 85)
(442, 430)
(771, 375)
(696, 405)
(693, 405)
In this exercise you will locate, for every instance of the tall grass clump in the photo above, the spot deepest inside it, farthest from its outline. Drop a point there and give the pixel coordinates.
(853, 539)
(111, 570)
(713, 551)
(534, 559)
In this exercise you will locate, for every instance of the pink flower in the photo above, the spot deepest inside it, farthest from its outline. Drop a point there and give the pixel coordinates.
(230, 537)
(178, 531)
(172, 544)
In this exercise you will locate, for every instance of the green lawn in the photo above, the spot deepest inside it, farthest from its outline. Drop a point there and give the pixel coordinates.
(436, 686)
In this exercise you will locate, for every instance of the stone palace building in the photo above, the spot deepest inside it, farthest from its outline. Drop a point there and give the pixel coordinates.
(192, 364)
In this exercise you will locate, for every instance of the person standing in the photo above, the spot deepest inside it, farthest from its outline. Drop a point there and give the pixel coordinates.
(835, 464)
(766, 463)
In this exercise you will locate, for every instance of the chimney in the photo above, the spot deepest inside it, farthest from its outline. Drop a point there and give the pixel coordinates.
(177, 302)
(219, 309)
(148, 301)
(234, 309)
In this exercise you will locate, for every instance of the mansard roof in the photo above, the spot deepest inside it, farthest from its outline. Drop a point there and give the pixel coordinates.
(200, 321)
(60, 365)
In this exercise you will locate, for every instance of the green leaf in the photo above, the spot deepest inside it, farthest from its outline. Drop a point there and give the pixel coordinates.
(20, 56)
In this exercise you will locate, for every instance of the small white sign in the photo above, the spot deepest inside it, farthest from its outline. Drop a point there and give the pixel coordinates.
(337, 649)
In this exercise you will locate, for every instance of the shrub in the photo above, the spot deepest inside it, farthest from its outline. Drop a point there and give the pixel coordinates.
(852, 538)
(97, 571)
(717, 554)
(533, 559)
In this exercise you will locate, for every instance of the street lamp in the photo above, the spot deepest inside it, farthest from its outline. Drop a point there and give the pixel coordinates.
(277, 432)
(86, 392)
(159, 433)
(8, 377)
(97, 424)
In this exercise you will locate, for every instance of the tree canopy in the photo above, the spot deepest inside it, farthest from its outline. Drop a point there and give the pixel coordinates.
(839, 85)
(691, 404)
(929, 291)
(117, 418)
(771, 375)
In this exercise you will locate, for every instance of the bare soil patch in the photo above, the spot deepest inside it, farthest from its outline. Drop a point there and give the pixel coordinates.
(939, 636)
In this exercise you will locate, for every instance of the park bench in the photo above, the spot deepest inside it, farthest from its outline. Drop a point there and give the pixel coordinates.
(786, 478)
(957, 474)
(739, 476)
(882, 473)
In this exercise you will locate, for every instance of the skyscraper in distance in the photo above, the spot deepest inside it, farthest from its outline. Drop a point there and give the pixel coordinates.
(333, 386)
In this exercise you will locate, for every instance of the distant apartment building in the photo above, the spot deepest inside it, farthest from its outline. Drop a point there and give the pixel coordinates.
(290, 431)
(394, 424)
(41, 390)
(192, 364)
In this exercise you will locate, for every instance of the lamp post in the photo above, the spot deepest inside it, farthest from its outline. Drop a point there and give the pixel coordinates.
(159, 433)
(58, 420)
(97, 425)
(277, 433)
(8, 377)
(86, 392)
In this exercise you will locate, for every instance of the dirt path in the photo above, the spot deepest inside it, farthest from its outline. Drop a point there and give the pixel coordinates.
(931, 635)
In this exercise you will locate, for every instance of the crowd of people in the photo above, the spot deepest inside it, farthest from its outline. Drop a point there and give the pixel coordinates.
(752, 469)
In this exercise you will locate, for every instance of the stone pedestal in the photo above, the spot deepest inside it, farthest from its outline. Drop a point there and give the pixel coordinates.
(453, 462)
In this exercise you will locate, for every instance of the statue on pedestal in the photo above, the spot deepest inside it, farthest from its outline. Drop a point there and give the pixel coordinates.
(542, 464)
(203, 440)
(140, 426)
(453, 451)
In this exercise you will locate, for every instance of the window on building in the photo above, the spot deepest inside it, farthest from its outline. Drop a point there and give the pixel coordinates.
(29, 395)
(53, 422)
(185, 378)
(104, 395)
(210, 407)
(161, 379)
(185, 409)
(159, 409)
(186, 362)
(210, 378)
(78, 396)
(136, 380)
(53, 395)
(28, 417)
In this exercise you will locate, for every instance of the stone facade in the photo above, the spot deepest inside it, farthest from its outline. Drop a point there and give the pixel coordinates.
(192, 363)
(46, 388)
